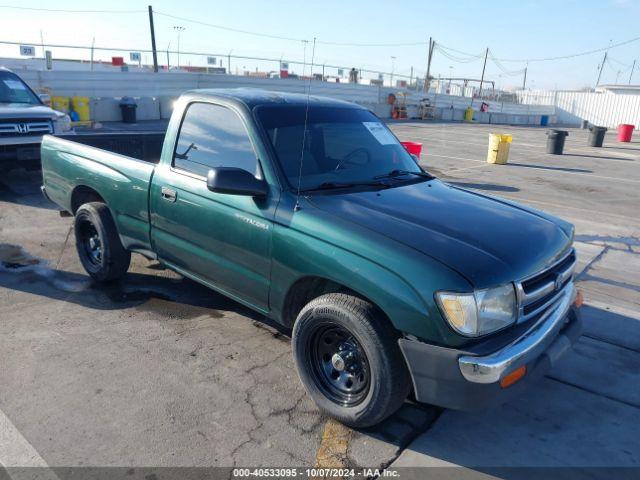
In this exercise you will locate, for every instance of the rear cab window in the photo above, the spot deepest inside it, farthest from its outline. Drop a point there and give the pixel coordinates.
(213, 136)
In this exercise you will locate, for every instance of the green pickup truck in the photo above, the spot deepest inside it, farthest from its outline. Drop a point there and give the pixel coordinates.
(309, 211)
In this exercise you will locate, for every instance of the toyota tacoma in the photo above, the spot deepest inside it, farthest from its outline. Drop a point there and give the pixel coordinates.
(309, 211)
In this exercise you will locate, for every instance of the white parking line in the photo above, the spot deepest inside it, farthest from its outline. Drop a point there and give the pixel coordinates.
(455, 158)
(548, 170)
(16, 452)
(565, 206)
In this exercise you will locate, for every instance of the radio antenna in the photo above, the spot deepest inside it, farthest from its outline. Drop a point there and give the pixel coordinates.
(306, 118)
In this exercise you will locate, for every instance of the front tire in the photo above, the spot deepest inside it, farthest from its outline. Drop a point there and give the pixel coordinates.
(99, 248)
(348, 359)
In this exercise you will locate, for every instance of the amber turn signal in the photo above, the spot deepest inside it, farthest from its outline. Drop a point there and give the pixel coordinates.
(513, 377)
(579, 299)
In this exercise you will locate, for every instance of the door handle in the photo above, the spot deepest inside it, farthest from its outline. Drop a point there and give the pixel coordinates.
(168, 194)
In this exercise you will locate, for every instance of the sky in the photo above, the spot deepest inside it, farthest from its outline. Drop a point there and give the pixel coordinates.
(517, 30)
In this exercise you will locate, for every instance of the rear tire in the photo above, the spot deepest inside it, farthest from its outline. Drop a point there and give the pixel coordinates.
(348, 359)
(99, 248)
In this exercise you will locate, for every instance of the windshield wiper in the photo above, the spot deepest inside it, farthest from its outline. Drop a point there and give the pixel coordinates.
(336, 185)
(398, 173)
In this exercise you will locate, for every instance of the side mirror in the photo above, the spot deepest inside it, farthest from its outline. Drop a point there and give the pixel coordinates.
(235, 181)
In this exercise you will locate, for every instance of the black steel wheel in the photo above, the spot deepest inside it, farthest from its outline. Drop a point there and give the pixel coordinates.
(348, 359)
(339, 363)
(90, 240)
(98, 243)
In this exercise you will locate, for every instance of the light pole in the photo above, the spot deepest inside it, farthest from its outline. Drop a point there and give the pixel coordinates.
(450, 77)
(178, 29)
(393, 66)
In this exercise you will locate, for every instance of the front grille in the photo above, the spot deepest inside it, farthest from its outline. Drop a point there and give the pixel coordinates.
(25, 128)
(540, 291)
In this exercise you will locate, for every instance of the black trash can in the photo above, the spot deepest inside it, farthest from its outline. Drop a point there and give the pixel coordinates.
(555, 141)
(584, 124)
(128, 107)
(596, 136)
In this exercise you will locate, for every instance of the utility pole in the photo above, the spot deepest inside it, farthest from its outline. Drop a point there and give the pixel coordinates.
(432, 44)
(604, 60)
(632, 69)
(524, 82)
(411, 77)
(484, 65)
(153, 40)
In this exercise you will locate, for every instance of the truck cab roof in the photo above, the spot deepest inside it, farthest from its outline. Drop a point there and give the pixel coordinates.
(253, 97)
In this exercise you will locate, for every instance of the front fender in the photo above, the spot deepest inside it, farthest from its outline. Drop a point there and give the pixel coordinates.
(402, 286)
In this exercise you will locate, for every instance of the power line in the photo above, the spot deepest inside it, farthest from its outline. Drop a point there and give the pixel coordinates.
(279, 37)
(61, 10)
(503, 69)
(230, 29)
(478, 55)
(469, 57)
(347, 44)
(564, 57)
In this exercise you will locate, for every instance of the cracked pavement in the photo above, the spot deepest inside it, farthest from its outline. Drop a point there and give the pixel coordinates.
(160, 371)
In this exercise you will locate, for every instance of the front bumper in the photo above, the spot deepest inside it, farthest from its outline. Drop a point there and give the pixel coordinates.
(467, 380)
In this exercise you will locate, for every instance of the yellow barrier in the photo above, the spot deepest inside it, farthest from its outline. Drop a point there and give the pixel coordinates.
(60, 104)
(499, 144)
(80, 105)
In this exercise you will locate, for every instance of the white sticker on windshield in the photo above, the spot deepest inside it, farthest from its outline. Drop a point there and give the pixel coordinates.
(14, 84)
(381, 134)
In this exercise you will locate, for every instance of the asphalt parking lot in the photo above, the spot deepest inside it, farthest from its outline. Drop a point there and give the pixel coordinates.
(159, 371)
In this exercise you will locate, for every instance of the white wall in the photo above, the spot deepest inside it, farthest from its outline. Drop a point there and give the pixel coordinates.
(137, 84)
(157, 89)
(603, 109)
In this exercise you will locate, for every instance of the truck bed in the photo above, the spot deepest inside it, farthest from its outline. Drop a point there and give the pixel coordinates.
(145, 146)
(115, 167)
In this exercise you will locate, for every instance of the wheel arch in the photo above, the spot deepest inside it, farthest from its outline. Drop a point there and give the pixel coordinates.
(306, 288)
(82, 194)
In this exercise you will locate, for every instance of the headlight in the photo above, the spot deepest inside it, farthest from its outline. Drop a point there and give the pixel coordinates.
(480, 312)
(63, 124)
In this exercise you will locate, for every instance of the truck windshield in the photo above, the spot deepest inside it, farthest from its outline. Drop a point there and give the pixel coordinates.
(342, 146)
(14, 90)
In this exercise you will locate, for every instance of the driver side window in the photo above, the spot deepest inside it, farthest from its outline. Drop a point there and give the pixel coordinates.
(213, 136)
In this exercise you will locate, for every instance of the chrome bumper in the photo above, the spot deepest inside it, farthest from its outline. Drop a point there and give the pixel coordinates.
(491, 368)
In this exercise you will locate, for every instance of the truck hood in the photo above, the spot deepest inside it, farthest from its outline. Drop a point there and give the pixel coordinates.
(487, 240)
(25, 110)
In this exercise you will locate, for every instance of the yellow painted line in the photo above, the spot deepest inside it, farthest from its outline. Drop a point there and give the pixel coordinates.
(333, 447)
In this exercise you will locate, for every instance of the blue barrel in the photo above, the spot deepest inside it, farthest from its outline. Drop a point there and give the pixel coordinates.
(544, 120)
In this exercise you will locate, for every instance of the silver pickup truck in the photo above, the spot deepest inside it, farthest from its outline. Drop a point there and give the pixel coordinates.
(24, 119)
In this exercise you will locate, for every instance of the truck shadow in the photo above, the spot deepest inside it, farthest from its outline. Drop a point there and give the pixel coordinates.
(170, 297)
